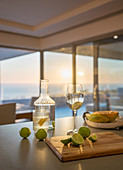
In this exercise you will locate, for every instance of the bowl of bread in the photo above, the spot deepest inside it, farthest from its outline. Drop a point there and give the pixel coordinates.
(103, 119)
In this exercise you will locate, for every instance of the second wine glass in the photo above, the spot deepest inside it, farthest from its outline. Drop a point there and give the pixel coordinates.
(74, 99)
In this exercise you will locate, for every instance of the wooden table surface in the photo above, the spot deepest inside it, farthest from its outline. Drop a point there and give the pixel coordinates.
(30, 154)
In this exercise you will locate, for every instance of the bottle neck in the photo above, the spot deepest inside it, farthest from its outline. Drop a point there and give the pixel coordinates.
(44, 88)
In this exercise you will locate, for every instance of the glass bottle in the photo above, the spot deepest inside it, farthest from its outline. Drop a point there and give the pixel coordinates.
(41, 115)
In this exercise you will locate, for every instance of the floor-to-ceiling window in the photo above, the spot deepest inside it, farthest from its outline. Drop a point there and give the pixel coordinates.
(58, 70)
(84, 74)
(111, 76)
(20, 76)
(20, 79)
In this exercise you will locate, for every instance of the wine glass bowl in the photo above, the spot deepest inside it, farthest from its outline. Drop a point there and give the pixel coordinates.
(74, 99)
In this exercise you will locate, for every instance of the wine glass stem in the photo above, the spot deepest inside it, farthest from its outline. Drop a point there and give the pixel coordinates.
(74, 113)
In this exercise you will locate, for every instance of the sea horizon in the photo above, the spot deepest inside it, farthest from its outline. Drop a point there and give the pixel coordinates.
(26, 91)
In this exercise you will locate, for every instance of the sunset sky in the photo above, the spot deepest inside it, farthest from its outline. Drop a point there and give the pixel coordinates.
(58, 69)
(21, 70)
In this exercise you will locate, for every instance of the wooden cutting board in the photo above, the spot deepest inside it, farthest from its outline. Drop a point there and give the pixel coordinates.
(108, 143)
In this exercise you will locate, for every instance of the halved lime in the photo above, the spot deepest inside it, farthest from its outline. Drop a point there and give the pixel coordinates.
(77, 139)
(41, 134)
(93, 137)
(41, 121)
(84, 132)
(76, 105)
(25, 132)
(66, 141)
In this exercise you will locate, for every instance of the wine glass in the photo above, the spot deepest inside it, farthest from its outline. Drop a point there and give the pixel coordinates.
(74, 99)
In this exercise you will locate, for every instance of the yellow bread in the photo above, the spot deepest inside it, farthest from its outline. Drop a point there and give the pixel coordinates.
(103, 116)
(111, 115)
(106, 112)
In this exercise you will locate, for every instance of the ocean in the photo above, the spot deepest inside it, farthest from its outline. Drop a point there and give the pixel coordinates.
(18, 91)
(26, 91)
(23, 93)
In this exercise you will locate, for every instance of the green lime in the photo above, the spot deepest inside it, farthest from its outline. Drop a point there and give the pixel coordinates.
(93, 137)
(84, 132)
(53, 123)
(66, 141)
(41, 134)
(77, 139)
(25, 132)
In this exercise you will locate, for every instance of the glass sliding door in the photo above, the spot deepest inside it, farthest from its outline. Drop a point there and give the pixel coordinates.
(58, 70)
(84, 71)
(111, 76)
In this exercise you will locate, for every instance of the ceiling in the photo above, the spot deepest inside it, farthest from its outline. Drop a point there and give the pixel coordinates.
(41, 18)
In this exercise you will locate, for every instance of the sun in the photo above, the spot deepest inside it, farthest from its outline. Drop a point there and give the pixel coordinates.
(66, 74)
